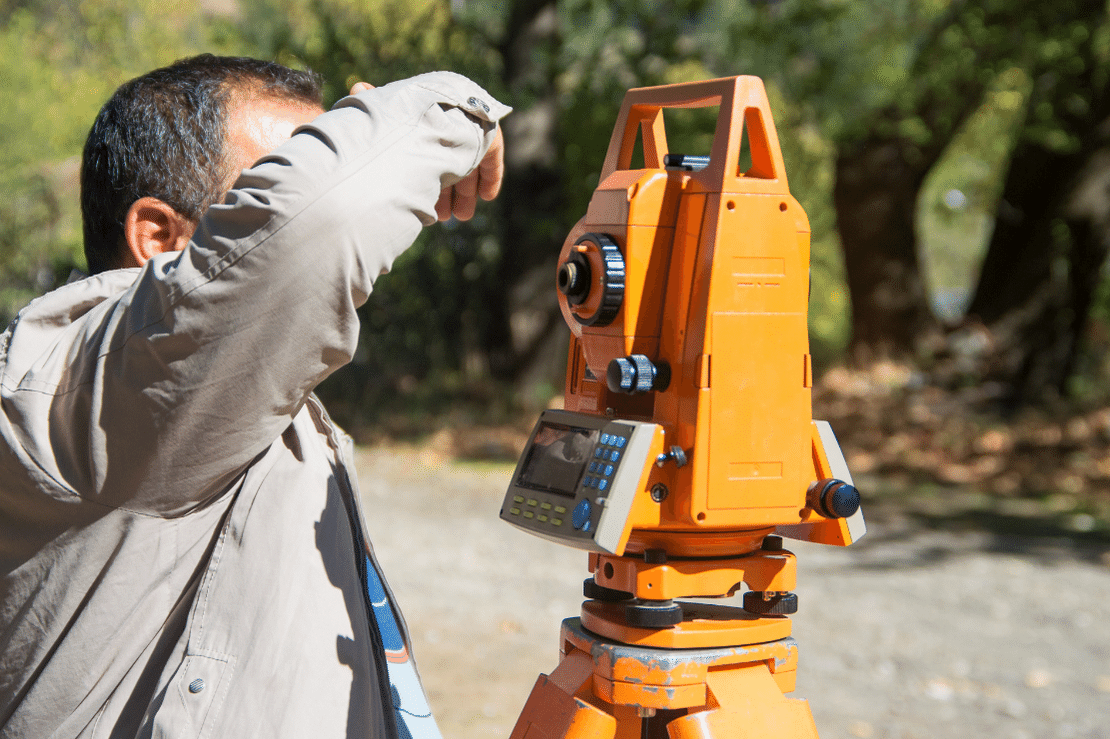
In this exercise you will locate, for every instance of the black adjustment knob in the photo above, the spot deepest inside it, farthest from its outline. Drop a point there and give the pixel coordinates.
(772, 543)
(611, 280)
(574, 278)
(637, 374)
(770, 604)
(833, 498)
(593, 591)
(653, 614)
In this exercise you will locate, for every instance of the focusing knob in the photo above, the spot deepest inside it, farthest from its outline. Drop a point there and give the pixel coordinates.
(612, 279)
(636, 374)
(833, 498)
(574, 278)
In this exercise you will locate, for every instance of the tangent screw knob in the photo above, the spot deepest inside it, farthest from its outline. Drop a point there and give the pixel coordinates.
(636, 374)
(833, 498)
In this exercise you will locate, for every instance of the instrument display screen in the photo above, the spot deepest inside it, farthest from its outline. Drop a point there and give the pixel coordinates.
(558, 458)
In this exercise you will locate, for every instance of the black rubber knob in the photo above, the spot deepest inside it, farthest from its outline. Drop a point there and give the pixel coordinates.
(779, 604)
(772, 543)
(592, 590)
(653, 614)
(636, 374)
(833, 498)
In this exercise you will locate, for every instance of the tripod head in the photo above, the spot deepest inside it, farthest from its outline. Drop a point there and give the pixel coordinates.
(687, 425)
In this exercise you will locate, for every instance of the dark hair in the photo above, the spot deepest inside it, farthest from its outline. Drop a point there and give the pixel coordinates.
(162, 134)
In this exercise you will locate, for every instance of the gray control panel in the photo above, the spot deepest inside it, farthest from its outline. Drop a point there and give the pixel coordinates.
(576, 480)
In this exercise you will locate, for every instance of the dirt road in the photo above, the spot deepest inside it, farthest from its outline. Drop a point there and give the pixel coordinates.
(911, 633)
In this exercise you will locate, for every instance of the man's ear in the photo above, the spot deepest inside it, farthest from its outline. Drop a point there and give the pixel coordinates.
(152, 227)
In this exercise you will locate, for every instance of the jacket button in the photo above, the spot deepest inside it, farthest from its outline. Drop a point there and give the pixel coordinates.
(476, 103)
(196, 686)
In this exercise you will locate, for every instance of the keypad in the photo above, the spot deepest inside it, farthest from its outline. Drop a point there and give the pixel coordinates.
(607, 454)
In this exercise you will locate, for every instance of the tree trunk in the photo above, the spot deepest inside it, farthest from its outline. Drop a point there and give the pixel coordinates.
(875, 196)
(531, 200)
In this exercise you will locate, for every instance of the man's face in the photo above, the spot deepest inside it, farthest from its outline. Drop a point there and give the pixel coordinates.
(257, 126)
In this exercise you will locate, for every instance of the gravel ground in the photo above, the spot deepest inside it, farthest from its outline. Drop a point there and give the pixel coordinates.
(912, 632)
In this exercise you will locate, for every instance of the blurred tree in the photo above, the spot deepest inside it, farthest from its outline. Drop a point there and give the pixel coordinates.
(59, 61)
(880, 169)
(891, 84)
(1051, 233)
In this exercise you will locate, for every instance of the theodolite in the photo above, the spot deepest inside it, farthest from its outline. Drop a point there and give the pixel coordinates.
(686, 448)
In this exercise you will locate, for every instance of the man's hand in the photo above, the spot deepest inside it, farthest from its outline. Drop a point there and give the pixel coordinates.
(484, 182)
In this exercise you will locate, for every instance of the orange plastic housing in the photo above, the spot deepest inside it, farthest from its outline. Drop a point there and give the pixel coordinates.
(716, 287)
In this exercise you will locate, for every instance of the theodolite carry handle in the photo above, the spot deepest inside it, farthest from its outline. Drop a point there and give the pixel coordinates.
(739, 99)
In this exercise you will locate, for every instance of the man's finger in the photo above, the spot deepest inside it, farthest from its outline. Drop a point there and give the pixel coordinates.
(360, 87)
(443, 205)
(466, 197)
(491, 170)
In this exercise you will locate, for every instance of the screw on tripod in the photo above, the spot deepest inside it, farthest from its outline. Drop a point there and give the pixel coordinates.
(772, 543)
(653, 614)
(770, 603)
(593, 591)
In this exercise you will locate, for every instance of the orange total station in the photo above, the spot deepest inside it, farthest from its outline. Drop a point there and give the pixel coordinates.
(686, 447)
(687, 425)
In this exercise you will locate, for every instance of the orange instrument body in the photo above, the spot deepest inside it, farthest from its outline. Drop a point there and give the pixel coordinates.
(714, 287)
(686, 446)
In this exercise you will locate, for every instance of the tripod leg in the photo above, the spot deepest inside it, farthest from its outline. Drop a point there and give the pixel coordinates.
(554, 711)
(746, 703)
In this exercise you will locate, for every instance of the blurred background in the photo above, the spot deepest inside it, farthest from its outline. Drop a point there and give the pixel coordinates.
(954, 159)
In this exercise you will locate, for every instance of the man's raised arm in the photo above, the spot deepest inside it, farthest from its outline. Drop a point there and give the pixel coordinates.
(204, 361)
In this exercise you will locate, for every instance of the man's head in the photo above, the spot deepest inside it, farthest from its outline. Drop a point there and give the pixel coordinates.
(170, 143)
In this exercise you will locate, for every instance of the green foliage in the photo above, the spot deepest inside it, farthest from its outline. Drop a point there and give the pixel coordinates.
(58, 63)
(966, 74)
(375, 41)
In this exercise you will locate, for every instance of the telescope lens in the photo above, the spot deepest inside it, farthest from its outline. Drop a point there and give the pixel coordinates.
(574, 279)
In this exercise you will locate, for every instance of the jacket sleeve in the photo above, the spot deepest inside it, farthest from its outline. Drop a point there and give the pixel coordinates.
(202, 363)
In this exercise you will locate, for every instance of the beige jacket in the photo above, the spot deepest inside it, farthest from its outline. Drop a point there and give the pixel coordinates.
(175, 509)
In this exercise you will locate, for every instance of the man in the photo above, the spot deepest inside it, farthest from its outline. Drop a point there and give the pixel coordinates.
(181, 550)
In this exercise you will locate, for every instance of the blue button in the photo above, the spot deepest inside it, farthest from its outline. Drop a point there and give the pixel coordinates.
(614, 456)
(580, 516)
(605, 455)
(588, 482)
(602, 484)
(619, 442)
(605, 438)
(608, 470)
(594, 466)
(598, 451)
